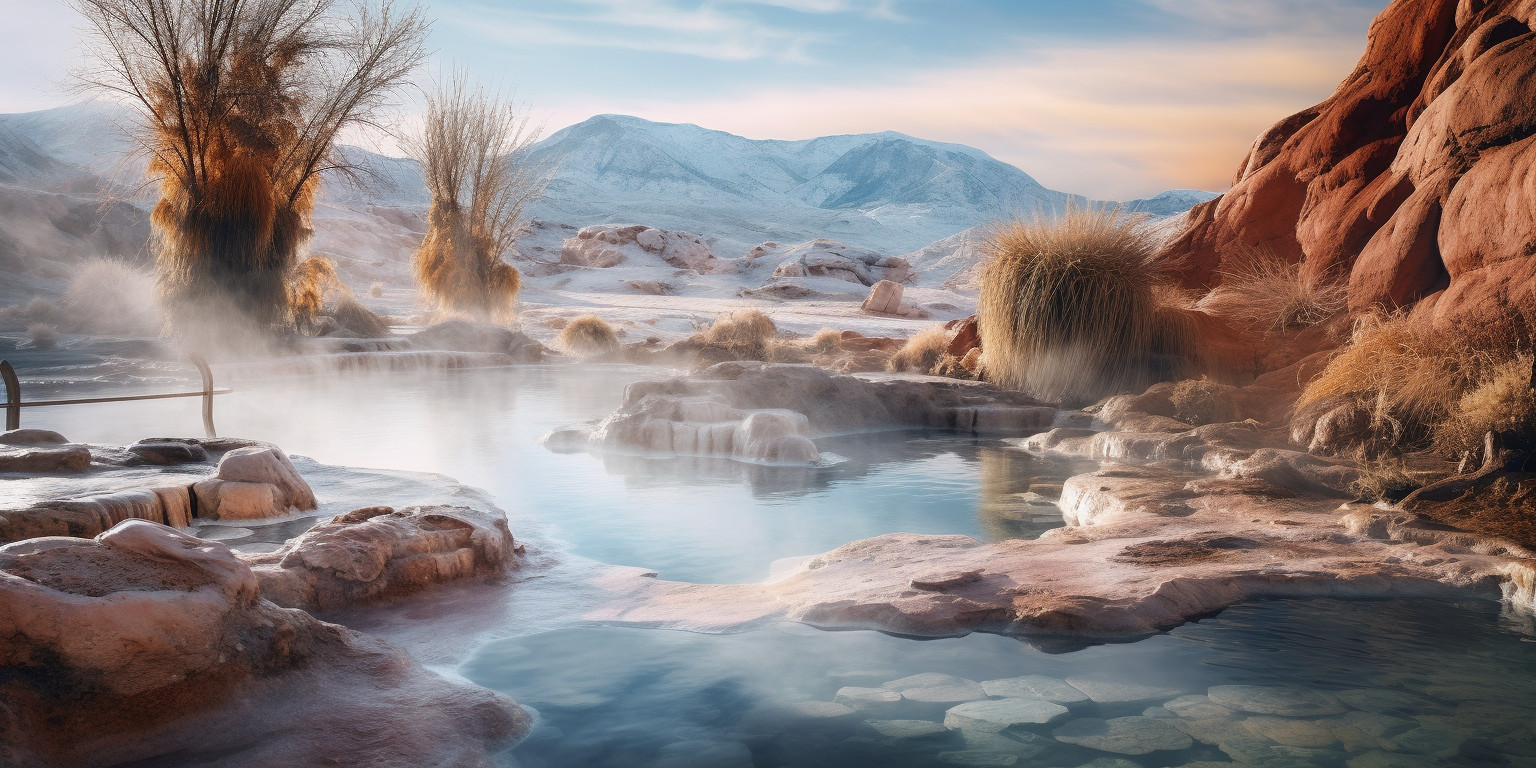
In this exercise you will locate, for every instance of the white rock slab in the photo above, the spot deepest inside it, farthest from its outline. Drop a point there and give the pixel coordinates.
(1001, 714)
(1124, 735)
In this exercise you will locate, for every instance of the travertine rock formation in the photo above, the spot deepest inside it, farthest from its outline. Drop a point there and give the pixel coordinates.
(1415, 182)
(377, 553)
(146, 644)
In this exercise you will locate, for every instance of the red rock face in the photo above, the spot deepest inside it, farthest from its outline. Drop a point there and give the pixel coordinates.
(1415, 182)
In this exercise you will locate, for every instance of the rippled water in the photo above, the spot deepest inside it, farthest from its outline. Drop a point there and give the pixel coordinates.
(628, 697)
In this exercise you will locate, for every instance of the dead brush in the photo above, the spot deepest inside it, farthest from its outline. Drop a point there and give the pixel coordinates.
(741, 335)
(588, 335)
(1262, 292)
(1502, 402)
(312, 281)
(1068, 311)
(1397, 388)
(923, 352)
(474, 156)
(241, 104)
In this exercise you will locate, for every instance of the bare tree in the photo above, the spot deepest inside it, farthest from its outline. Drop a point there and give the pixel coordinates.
(241, 102)
(474, 151)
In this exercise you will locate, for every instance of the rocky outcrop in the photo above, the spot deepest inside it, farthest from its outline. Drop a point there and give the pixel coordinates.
(609, 245)
(767, 412)
(378, 553)
(885, 298)
(1142, 552)
(829, 258)
(146, 645)
(1412, 182)
(252, 483)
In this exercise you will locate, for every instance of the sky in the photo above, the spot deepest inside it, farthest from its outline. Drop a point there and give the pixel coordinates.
(1115, 99)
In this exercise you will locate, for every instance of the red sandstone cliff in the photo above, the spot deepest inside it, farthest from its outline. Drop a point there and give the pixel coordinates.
(1415, 181)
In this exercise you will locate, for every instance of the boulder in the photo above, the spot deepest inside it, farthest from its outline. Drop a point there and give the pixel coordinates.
(45, 459)
(884, 298)
(608, 245)
(30, 437)
(377, 553)
(267, 464)
(168, 452)
(1124, 735)
(1412, 181)
(829, 258)
(146, 645)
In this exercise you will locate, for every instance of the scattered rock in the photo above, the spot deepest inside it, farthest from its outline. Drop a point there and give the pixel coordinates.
(1293, 733)
(145, 645)
(31, 437)
(1035, 687)
(269, 465)
(1124, 735)
(164, 453)
(1117, 692)
(868, 699)
(1001, 714)
(378, 553)
(1198, 707)
(908, 730)
(45, 460)
(1276, 700)
(828, 258)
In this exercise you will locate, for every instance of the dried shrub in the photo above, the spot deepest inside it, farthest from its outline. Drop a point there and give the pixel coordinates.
(241, 103)
(588, 335)
(376, 290)
(1068, 310)
(474, 156)
(1502, 402)
(1202, 401)
(1262, 292)
(826, 341)
(312, 281)
(922, 352)
(1398, 387)
(352, 316)
(740, 335)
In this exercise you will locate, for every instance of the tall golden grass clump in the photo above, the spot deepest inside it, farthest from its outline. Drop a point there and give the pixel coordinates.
(311, 281)
(1068, 311)
(1263, 292)
(474, 156)
(922, 352)
(1398, 387)
(241, 104)
(741, 335)
(588, 335)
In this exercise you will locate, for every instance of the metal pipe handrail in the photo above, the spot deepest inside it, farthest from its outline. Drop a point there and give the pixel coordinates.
(14, 404)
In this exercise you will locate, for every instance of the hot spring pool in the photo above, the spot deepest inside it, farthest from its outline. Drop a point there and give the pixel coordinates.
(1405, 683)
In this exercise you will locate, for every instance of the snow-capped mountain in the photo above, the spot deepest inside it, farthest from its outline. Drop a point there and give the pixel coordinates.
(886, 191)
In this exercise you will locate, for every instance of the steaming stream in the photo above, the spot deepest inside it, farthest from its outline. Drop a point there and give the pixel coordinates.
(1451, 684)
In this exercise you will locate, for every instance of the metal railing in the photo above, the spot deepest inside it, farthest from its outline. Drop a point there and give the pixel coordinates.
(14, 404)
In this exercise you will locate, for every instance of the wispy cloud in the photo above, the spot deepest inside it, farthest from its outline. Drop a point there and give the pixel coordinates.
(1315, 17)
(710, 31)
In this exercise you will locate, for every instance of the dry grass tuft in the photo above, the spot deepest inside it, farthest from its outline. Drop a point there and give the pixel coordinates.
(312, 281)
(1397, 388)
(351, 315)
(1202, 401)
(241, 103)
(1262, 292)
(474, 157)
(376, 290)
(826, 341)
(740, 335)
(923, 352)
(588, 335)
(1068, 311)
(1502, 403)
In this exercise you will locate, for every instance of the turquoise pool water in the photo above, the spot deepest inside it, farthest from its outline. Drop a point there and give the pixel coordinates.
(1379, 684)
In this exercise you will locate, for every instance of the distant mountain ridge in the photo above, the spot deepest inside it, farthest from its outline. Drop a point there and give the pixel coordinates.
(886, 191)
